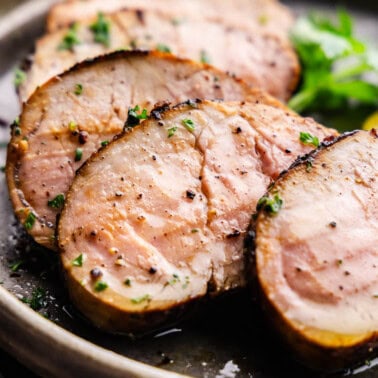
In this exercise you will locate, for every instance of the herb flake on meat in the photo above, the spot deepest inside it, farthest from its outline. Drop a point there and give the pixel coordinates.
(204, 57)
(100, 286)
(143, 298)
(30, 220)
(270, 205)
(70, 39)
(78, 262)
(101, 30)
(135, 115)
(189, 124)
(57, 202)
(78, 154)
(38, 299)
(308, 139)
(172, 131)
(163, 48)
(78, 89)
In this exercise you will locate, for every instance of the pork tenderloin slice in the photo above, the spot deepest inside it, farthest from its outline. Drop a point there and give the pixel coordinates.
(262, 60)
(317, 258)
(162, 211)
(55, 123)
(265, 15)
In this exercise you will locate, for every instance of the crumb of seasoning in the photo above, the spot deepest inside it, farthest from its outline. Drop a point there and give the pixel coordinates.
(78, 89)
(190, 194)
(100, 286)
(2, 168)
(263, 19)
(96, 273)
(127, 282)
(332, 224)
(194, 230)
(78, 154)
(72, 126)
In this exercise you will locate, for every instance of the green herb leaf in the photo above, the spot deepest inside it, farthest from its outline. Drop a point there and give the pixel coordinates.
(270, 205)
(204, 57)
(100, 286)
(78, 261)
(78, 89)
(19, 77)
(29, 221)
(139, 300)
(334, 65)
(134, 116)
(189, 124)
(16, 265)
(163, 48)
(78, 154)
(57, 202)
(101, 30)
(307, 138)
(70, 39)
(172, 131)
(104, 143)
(38, 299)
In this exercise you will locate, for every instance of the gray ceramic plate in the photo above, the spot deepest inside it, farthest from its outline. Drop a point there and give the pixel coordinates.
(224, 339)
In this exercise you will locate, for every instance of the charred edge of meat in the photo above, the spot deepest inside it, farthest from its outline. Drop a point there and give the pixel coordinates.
(127, 54)
(159, 108)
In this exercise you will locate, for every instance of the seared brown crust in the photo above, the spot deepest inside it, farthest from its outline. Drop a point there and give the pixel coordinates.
(51, 98)
(319, 348)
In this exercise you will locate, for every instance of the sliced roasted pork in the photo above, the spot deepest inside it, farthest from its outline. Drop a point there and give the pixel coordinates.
(265, 15)
(262, 60)
(317, 252)
(158, 217)
(70, 117)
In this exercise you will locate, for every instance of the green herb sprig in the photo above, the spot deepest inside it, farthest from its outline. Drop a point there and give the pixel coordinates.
(334, 63)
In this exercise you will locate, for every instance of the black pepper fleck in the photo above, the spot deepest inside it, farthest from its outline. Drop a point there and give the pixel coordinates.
(96, 273)
(190, 194)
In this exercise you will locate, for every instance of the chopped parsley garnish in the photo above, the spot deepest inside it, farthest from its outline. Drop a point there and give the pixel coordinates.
(30, 220)
(16, 265)
(135, 115)
(100, 286)
(16, 121)
(101, 30)
(204, 57)
(270, 205)
(334, 65)
(78, 154)
(307, 138)
(127, 282)
(78, 89)
(57, 202)
(104, 143)
(143, 298)
(19, 77)
(174, 280)
(38, 299)
(189, 124)
(187, 282)
(70, 39)
(171, 132)
(78, 261)
(308, 166)
(163, 48)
